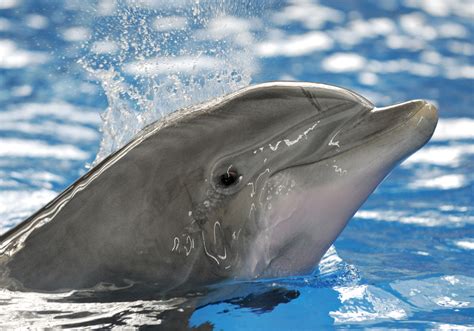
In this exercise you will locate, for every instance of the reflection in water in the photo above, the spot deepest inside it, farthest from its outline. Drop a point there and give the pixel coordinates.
(139, 306)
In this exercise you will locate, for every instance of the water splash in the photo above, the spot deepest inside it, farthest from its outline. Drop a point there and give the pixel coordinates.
(154, 57)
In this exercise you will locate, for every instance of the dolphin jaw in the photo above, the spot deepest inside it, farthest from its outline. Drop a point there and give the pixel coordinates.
(354, 169)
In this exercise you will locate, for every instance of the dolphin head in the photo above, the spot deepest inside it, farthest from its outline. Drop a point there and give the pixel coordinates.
(288, 164)
(256, 184)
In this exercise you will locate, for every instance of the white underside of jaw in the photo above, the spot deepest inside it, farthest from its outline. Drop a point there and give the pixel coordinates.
(299, 220)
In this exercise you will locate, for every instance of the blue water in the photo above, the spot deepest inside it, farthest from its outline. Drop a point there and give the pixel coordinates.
(406, 258)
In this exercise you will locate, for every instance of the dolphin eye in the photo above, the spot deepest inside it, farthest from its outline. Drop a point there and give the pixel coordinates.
(229, 178)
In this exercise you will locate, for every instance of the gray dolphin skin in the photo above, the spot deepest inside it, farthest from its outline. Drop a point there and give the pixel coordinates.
(256, 184)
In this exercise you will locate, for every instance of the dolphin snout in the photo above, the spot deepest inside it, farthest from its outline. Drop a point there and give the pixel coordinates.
(419, 116)
(421, 119)
(426, 118)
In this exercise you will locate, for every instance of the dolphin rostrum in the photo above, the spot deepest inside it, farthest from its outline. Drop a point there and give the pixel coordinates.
(255, 184)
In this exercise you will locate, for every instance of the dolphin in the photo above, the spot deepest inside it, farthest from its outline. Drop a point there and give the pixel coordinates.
(255, 184)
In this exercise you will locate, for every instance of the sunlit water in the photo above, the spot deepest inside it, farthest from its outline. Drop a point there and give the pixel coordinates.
(405, 260)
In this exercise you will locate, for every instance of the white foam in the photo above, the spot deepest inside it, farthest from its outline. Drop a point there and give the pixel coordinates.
(437, 293)
(17, 205)
(450, 327)
(397, 41)
(393, 66)
(415, 24)
(364, 303)
(230, 28)
(22, 91)
(106, 7)
(65, 132)
(461, 8)
(199, 55)
(459, 47)
(353, 292)
(8, 4)
(367, 303)
(467, 244)
(450, 156)
(454, 129)
(311, 15)
(59, 110)
(357, 30)
(452, 30)
(36, 21)
(5, 24)
(445, 182)
(453, 208)
(460, 71)
(169, 23)
(34, 178)
(25, 310)
(77, 33)
(427, 219)
(12, 57)
(168, 65)
(343, 62)
(368, 78)
(104, 47)
(38, 149)
(293, 46)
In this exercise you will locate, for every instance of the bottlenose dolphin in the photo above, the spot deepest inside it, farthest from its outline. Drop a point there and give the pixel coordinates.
(258, 183)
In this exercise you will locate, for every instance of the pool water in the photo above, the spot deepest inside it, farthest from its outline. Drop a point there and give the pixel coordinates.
(80, 78)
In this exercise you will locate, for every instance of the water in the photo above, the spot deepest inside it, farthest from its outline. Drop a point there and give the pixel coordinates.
(404, 261)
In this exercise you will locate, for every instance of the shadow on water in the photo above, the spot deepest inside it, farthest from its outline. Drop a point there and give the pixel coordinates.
(147, 307)
(170, 312)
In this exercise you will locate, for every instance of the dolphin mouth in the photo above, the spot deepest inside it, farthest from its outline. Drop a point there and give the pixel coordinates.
(412, 122)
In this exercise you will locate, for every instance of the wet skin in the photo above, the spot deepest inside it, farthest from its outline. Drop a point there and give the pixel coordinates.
(255, 184)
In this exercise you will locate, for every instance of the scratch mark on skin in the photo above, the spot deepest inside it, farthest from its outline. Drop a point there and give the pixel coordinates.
(274, 147)
(223, 257)
(263, 173)
(253, 189)
(334, 143)
(190, 242)
(215, 227)
(175, 244)
(263, 188)
(235, 236)
(310, 129)
(289, 142)
(252, 209)
(339, 170)
(205, 250)
(419, 121)
(260, 196)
